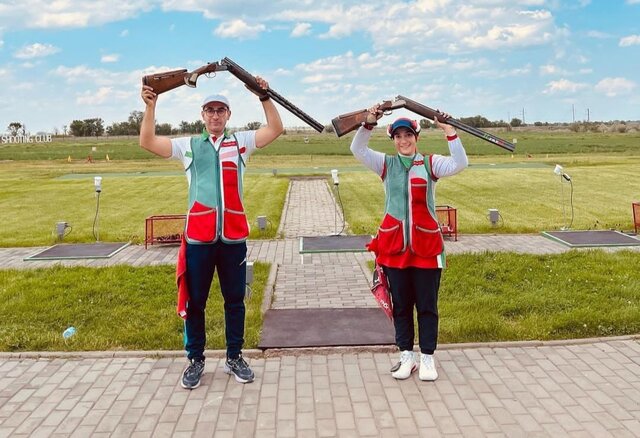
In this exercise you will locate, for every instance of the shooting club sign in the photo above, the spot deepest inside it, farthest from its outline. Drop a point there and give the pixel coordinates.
(26, 138)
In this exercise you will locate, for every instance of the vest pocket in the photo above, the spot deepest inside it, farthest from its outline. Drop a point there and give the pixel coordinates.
(426, 242)
(235, 225)
(202, 223)
(390, 236)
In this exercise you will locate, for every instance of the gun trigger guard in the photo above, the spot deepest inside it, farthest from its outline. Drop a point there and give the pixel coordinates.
(387, 112)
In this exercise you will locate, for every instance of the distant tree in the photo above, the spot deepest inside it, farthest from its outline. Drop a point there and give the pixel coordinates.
(163, 129)
(121, 128)
(14, 128)
(197, 126)
(515, 122)
(329, 128)
(477, 121)
(87, 127)
(185, 126)
(252, 126)
(76, 128)
(135, 120)
(425, 124)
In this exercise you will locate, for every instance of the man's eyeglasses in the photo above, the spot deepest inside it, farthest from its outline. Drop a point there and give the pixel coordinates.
(211, 111)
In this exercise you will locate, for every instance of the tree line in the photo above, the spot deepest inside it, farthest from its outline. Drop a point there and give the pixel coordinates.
(95, 127)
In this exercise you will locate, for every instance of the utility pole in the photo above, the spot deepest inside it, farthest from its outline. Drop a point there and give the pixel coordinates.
(573, 113)
(523, 116)
(587, 115)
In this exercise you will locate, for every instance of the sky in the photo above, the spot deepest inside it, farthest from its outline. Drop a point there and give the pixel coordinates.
(536, 60)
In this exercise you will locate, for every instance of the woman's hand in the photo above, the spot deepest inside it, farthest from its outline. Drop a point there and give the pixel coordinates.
(449, 130)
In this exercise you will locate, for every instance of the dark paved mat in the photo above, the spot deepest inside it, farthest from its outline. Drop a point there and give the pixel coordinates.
(79, 251)
(592, 238)
(290, 328)
(334, 243)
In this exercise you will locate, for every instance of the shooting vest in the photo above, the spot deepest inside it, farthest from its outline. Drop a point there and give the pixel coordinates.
(215, 192)
(410, 222)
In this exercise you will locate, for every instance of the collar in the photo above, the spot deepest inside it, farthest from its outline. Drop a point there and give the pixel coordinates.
(205, 134)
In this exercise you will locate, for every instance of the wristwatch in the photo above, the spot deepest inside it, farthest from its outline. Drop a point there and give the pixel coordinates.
(264, 98)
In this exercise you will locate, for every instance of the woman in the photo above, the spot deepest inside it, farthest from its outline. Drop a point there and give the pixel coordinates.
(409, 244)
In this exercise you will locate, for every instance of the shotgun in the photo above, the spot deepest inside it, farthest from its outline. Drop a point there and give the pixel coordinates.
(252, 84)
(348, 122)
(161, 82)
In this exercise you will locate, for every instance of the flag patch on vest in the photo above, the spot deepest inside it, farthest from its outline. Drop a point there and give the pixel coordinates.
(225, 144)
(418, 162)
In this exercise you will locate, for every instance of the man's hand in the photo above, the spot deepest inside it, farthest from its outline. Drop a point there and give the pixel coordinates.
(148, 96)
(263, 84)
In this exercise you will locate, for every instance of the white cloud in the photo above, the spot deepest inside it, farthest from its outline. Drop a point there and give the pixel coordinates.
(124, 33)
(114, 57)
(239, 29)
(633, 2)
(36, 50)
(1, 43)
(598, 34)
(94, 98)
(103, 95)
(612, 87)
(631, 40)
(549, 69)
(319, 77)
(68, 13)
(563, 86)
(301, 29)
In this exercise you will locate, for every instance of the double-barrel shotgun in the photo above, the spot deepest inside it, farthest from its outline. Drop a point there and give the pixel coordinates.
(346, 123)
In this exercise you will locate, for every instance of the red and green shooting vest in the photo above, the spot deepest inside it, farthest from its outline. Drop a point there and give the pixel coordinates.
(215, 192)
(410, 221)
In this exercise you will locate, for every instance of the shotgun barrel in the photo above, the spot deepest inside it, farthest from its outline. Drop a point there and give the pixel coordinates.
(251, 82)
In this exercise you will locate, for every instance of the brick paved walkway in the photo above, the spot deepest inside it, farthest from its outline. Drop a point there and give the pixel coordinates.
(584, 388)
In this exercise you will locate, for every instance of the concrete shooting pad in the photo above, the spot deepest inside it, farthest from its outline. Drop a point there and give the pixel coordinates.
(591, 238)
(334, 243)
(295, 328)
(79, 251)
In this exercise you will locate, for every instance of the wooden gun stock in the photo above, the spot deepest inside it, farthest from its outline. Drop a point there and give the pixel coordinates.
(166, 81)
(345, 123)
(161, 82)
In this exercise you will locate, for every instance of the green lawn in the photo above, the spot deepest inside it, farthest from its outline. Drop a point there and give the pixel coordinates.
(529, 198)
(34, 196)
(483, 297)
(113, 308)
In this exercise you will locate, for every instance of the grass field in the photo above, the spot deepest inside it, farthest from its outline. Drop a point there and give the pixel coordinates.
(530, 198)
(114, 308)
(484, 297)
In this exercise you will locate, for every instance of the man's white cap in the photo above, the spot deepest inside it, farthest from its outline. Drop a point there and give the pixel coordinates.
(216, 98)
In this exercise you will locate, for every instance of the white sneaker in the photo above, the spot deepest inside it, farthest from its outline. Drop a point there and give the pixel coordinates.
(427, 367)
(403, 369)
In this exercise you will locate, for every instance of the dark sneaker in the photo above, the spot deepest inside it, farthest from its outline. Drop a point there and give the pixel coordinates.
(240, 369)
(193, 372)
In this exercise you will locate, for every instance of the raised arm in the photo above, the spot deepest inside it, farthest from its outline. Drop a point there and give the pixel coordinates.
(159, 145)
(374, 160)
(457, 161)
(274, 128)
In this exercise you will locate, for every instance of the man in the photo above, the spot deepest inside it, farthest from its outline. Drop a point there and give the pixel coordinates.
(216, 227)
(409, 244)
